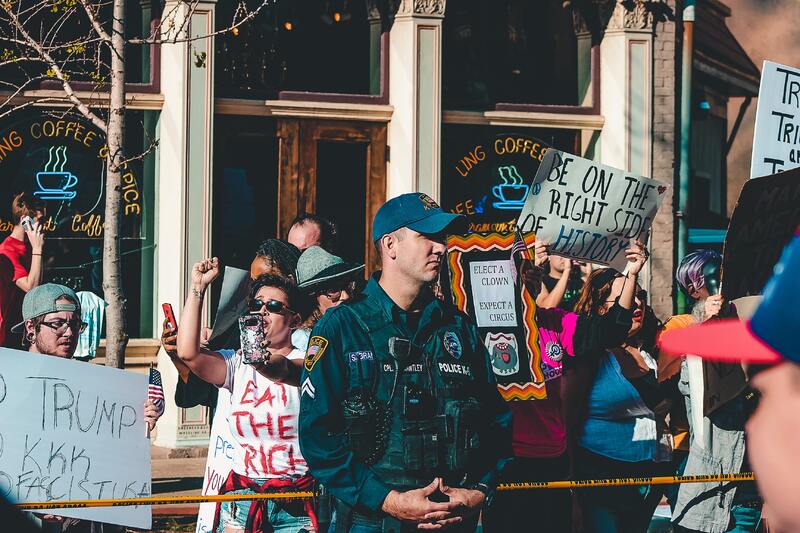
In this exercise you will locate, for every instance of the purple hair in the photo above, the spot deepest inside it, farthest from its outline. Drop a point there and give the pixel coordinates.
(690, 269)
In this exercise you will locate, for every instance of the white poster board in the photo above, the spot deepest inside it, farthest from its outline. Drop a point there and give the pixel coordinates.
(776, 142)
(493, 293)
(73, 431)
(222, 452)
(589, 211)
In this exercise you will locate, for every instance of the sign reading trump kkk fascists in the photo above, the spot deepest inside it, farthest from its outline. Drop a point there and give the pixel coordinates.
(589, 211)
(776, 143)
(73, 431)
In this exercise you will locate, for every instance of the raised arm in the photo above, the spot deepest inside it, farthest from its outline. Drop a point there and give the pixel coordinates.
(205, 364)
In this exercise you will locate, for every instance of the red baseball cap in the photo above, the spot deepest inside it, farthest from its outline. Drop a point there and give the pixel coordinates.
(769, 337)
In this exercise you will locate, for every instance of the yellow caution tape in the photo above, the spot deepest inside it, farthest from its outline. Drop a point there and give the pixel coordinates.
(574, 484)
(615, 482)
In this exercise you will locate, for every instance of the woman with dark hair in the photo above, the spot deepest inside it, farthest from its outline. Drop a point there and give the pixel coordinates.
(622, 433)
(265, 403)
(539, 431)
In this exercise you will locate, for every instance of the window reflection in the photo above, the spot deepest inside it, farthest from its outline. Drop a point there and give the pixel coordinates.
(509, 51)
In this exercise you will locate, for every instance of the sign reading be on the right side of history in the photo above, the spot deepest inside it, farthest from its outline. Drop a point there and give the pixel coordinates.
(776, 144)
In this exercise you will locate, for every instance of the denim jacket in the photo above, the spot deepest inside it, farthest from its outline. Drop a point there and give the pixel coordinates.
(707, 506)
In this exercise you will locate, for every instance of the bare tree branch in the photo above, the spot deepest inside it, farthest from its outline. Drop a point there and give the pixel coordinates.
(98, 28)
(156, 39)
(68, 90)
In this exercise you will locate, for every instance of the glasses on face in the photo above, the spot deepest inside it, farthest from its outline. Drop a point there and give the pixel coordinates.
(273, 306)
(334, 293)
(59, 326)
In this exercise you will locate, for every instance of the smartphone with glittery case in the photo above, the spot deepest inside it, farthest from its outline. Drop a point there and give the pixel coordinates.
(251, 332)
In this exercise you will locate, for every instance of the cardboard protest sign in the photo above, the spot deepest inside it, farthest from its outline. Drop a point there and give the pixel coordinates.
(232, 301)
(762, 223)
(482, 286)
(776, 142)
(222, 453)
(73, 431)
(589, 211)
(488, 179)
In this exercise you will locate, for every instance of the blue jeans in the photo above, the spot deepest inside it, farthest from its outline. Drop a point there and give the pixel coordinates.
(283, 516)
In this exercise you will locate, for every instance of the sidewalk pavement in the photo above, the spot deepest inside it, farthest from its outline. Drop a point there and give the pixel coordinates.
(177, 472)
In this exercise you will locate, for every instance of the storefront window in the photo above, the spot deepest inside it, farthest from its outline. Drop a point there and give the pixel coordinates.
(67, 33)
(487, 171)
(60, 158)
(321, 46)
(245, 187)
(512, 51)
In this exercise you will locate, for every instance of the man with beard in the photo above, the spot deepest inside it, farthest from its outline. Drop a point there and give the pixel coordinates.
(768, 343)
(715, 414)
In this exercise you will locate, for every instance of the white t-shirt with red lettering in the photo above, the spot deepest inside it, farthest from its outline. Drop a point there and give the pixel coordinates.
(263, 420)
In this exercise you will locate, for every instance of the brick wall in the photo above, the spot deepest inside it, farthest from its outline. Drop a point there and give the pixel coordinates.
(666, 73)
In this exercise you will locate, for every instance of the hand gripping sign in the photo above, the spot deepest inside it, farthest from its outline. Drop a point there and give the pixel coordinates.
(589, 211)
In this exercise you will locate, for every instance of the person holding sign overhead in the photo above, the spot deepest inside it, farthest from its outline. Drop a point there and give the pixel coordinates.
(539, 426)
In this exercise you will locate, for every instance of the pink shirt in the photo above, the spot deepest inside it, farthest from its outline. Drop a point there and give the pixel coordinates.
(538, 427)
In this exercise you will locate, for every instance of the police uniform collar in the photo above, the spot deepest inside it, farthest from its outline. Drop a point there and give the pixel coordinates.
(432, 310)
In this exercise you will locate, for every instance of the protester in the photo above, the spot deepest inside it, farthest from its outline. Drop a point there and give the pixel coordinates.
(52, 323)
(624, 433)
(264, 403)
(562, 285)
(273, 256)
(539, 428)
(327, 279)
(386, 374)
(309, 230)
(23, 249)
(770, 348)
(718, 437)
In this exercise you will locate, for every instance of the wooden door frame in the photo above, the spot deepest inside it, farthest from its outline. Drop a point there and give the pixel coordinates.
(297, 148)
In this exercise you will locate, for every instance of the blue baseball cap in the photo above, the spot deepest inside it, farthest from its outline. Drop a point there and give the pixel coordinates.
(769, 337)
(414, 210)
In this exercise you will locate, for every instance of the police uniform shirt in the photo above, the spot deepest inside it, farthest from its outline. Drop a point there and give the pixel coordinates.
(344, 355)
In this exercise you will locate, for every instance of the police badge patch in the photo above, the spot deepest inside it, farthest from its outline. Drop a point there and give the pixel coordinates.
(452, 344)
(316, 347)
(554, 351)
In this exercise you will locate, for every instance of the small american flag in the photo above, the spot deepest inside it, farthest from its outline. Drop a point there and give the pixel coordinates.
(155, 390)
(518, 246)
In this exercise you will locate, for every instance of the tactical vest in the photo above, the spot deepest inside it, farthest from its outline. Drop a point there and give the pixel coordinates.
(414, 414)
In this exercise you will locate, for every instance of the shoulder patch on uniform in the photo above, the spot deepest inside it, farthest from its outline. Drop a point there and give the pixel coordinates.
(452, 344)
(316, 347)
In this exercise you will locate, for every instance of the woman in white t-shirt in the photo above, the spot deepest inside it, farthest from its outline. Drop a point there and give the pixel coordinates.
(265, 403)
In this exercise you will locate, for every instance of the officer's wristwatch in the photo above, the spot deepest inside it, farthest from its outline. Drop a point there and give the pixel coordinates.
(482, 487)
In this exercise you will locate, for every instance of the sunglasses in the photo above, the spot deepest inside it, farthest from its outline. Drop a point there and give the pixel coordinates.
(273, 306)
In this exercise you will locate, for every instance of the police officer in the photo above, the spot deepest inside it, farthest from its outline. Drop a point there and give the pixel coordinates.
(400, 417)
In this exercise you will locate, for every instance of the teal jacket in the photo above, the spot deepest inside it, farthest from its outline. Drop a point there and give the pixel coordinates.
(342, 358)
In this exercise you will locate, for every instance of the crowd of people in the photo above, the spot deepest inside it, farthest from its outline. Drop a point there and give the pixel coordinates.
(379, 394)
